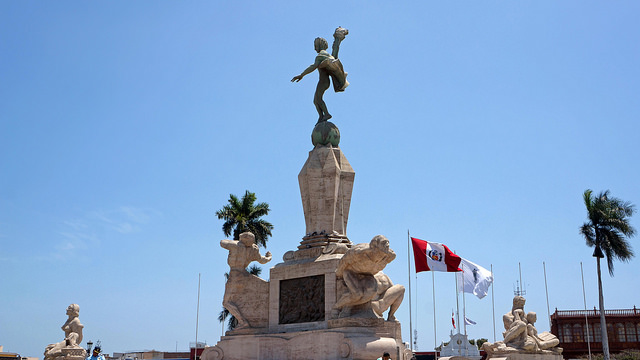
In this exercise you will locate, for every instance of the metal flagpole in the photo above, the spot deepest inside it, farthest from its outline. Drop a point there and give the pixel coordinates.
(493, 305)
(195, 353)
(457, 302)
(415, 331)
(586, 321)
(435, 336)
(464, 310)
(544, 266)
(409, 274)
(464, 304)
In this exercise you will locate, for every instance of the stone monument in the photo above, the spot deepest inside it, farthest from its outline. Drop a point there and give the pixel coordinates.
(326, 300)
(521, 339)
(69, 348)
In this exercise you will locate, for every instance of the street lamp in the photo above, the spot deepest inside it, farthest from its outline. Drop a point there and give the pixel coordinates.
(89, 346)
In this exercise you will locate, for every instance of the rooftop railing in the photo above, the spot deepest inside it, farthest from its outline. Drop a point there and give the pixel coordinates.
(596, 312)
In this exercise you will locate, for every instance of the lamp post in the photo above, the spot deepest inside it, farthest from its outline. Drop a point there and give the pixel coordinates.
(89, 346)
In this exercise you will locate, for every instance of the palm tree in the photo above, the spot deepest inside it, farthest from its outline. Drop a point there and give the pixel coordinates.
(607, 230)
(224, 314)
(243, 215)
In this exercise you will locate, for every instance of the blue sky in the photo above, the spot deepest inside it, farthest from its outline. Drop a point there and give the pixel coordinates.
(124, 126)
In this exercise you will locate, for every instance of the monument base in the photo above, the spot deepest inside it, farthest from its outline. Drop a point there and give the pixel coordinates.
(352, 343)
(73, 353)
(523, 356)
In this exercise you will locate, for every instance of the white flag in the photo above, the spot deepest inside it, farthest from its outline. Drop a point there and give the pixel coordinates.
(469, 321)
(474, 279)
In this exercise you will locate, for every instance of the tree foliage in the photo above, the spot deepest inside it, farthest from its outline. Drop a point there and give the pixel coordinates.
(244, 214)
(608, 227)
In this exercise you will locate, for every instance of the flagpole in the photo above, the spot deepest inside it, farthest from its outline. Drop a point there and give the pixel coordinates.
(493, 305)
(464, 302)
(457, 303)
(409, 274)
(435, 336)
(195, 354)
(586, 321)
(464, 310)
(544, 266)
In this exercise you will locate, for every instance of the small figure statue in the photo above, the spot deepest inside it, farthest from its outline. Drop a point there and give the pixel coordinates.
(72, 335)
(515, 324)
(544, 340)
(329, 66)
(241, 254)
(361, 269)
(520, 334)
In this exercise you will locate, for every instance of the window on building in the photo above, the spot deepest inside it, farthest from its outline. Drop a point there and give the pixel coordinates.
(578, 335)
(566, 330)
(620, 332)
(597, 332)
(611, 334)
(631, 332)
(589, 330)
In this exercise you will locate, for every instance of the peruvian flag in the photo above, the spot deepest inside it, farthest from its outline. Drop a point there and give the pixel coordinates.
(432, 256)
(453, 321)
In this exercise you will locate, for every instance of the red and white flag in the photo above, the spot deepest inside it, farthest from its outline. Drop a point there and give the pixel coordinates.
(432, 256)
(453, 321)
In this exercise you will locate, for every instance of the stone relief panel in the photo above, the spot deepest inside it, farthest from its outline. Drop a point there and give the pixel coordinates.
(302, 300)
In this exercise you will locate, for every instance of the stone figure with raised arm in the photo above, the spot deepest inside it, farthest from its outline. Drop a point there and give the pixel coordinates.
(241, 253)
(72, 337)
(361, 270)
(329, 66)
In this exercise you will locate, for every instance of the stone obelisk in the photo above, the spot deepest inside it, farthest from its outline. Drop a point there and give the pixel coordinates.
(326, 184)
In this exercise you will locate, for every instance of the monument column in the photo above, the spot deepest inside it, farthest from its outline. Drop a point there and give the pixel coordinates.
(326, 185)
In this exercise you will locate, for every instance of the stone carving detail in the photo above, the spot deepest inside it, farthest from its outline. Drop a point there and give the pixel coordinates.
(245, 296)
(302, 300)
(69, 348)
(368, 290)
(521, 336)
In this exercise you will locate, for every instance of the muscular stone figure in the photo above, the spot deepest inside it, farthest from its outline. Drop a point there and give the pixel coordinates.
(241, 254)
(360, 268)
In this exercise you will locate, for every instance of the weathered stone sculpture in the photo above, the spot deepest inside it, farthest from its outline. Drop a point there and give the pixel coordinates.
(69, 348)
(361, 270)
(246, 296)
(329, 66)
(326, 184)
(521, 336)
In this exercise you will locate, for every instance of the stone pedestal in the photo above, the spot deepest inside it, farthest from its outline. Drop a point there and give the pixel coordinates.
(326, 184)
(352, 343)
(524, 356)
(302, 293)
(73, 353)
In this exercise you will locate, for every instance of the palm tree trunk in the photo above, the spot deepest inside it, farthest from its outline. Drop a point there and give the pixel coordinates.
(603, 323)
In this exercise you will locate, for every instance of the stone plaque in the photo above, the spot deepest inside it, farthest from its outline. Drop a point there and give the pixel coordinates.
(302, 300)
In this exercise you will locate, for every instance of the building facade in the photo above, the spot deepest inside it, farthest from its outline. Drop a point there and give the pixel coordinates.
(578, 330)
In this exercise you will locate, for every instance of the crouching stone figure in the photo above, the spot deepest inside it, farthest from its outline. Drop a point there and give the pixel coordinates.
(361, 270)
